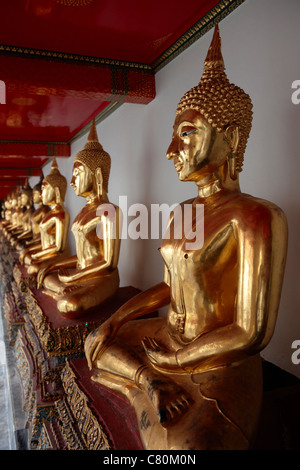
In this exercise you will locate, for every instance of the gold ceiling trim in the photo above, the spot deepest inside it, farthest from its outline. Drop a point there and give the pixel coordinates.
(215, 15)
(68, 57)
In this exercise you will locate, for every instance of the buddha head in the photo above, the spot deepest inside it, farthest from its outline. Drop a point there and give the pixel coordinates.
(213, 122)
(7, 202)
(14, 199)
(91, 167)
(26, 195)
(54, 186)
(37, 191)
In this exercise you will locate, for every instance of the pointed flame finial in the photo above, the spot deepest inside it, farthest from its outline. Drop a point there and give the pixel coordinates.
(93, 136)
(214, 58)
(54, 163)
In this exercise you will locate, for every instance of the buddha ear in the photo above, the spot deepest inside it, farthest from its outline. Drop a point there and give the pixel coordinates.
(57, 195)
(233, 138)
(99, 181)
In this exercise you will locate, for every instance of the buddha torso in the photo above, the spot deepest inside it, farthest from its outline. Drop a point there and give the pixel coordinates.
(48, 226)
(27, 219)
(36, 219)
(204, 281)
(86, 227)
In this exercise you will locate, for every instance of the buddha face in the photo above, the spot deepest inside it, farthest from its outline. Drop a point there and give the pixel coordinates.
(198, 149)
(82, 180)
(24, 199)
(48, 194)
(36, 197)
(14, 202)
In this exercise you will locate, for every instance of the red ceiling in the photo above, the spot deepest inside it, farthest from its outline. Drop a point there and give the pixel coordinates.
(129, 30)
(65, 62)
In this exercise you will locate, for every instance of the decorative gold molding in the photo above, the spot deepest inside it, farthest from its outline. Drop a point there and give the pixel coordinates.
(90, 429)
(57, 342)
(215, 15)
(67, 57)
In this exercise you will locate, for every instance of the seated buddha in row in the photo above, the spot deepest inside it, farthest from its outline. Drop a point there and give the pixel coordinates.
(194, 377)
(53, 227)
(85, 280)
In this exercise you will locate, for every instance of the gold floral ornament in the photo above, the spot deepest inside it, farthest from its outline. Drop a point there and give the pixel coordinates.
(219, 101)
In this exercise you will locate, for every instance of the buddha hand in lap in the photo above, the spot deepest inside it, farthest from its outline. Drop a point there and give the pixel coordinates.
(54, 225)
(86, 280)
(194, 377)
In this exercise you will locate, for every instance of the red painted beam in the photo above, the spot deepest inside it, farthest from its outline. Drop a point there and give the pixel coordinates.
(19, 162)
(12, 183)
(76, 80)
(33, 149)
(9, 173)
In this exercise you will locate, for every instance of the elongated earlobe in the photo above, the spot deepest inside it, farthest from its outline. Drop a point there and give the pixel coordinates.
(232, 137)
(57, 195)
(231, 159)
(99, 181)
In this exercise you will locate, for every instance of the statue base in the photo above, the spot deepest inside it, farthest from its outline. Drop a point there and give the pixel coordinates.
(92, 417)
(43, 342)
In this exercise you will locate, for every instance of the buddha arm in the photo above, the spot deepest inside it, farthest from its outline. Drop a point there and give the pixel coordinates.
(57, 246)
(262, 253)
(24, 234)
(37, 246)
(110, 246)
(142, 304)
(69, 262)
(36, 239)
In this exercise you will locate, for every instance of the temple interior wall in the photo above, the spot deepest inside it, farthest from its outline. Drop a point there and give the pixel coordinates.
(260, 44)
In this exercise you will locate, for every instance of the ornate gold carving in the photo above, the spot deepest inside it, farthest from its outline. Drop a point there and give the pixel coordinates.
(44, 440)
(91, 431)
(59, 342)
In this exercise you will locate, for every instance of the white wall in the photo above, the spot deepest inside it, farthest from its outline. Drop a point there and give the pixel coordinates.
(261, 53)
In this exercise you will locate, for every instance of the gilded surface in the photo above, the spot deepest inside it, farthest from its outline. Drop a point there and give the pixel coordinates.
(194, 378)
(86, 280)
(53, 227)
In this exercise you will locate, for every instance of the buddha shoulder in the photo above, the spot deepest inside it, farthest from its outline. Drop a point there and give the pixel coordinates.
(252, 213)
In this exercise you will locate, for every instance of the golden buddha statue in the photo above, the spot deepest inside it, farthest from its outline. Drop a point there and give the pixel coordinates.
(86, 280)
(16, 225)
(54, 225)
(7, 212)
(26, 203)
(194, 378)
(39, 213)
(33, 238)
